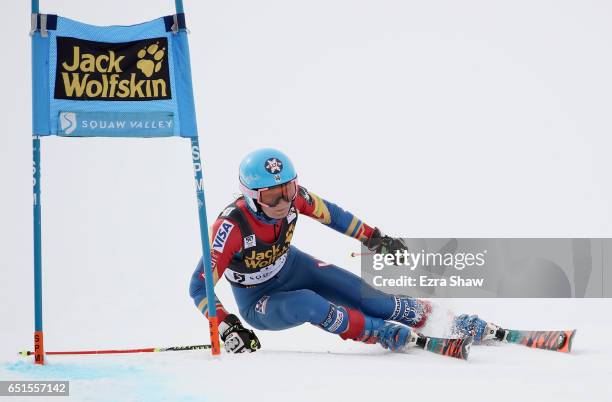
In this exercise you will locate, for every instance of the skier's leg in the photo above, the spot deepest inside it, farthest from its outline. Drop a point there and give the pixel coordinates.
(288, 309)
(282, 310)
(344, 287)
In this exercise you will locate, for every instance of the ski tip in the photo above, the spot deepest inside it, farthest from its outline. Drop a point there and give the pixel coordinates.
(566, 347)
(465, 348)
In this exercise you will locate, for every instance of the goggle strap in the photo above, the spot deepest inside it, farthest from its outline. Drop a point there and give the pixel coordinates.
(255, 194)
(248, 192)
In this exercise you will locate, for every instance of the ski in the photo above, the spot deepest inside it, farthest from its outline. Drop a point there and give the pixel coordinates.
(558, 341)
(452, 347)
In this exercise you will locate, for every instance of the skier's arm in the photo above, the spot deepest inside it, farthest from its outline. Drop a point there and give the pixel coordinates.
(225, 242)
(332, 215)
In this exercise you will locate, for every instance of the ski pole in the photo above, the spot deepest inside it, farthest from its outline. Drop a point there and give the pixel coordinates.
(109, 351)
(354, 254)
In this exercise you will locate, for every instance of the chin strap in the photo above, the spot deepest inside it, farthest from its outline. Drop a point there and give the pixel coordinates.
(265, 218)
(260, 214)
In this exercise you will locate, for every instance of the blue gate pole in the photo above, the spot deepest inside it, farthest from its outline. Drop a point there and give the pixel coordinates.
(39, 356)
(179, 6)
(213, 324)
(208, 274)
(39, 352)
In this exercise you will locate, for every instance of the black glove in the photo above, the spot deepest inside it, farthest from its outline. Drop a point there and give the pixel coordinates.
(383, 244)
(235, 337)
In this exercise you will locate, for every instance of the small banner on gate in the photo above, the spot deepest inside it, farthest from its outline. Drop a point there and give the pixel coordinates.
(115, 124)
(116, 81)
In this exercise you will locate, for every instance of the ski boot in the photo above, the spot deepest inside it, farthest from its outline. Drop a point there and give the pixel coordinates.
(400, 338)
(389, 335)
(479, 329)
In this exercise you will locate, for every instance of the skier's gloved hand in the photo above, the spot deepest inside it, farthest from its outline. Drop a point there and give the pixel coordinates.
(383, 244)
(235, 337)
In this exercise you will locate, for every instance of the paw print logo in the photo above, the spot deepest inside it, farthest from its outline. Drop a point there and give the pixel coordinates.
(151, 59)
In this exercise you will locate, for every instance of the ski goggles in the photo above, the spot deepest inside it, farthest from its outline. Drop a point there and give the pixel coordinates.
(271, 196)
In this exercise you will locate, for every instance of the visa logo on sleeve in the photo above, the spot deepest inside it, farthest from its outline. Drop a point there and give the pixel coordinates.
(222, 234)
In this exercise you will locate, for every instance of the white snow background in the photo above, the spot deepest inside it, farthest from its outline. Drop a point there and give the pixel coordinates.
(427, 119)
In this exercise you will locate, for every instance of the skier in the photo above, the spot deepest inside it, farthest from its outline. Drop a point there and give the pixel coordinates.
(278, 286)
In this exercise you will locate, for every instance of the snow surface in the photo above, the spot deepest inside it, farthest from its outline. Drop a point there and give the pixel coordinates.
(306, 364)
(476, 118)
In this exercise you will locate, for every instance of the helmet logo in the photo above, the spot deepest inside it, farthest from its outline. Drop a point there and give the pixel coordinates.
(273, 165)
